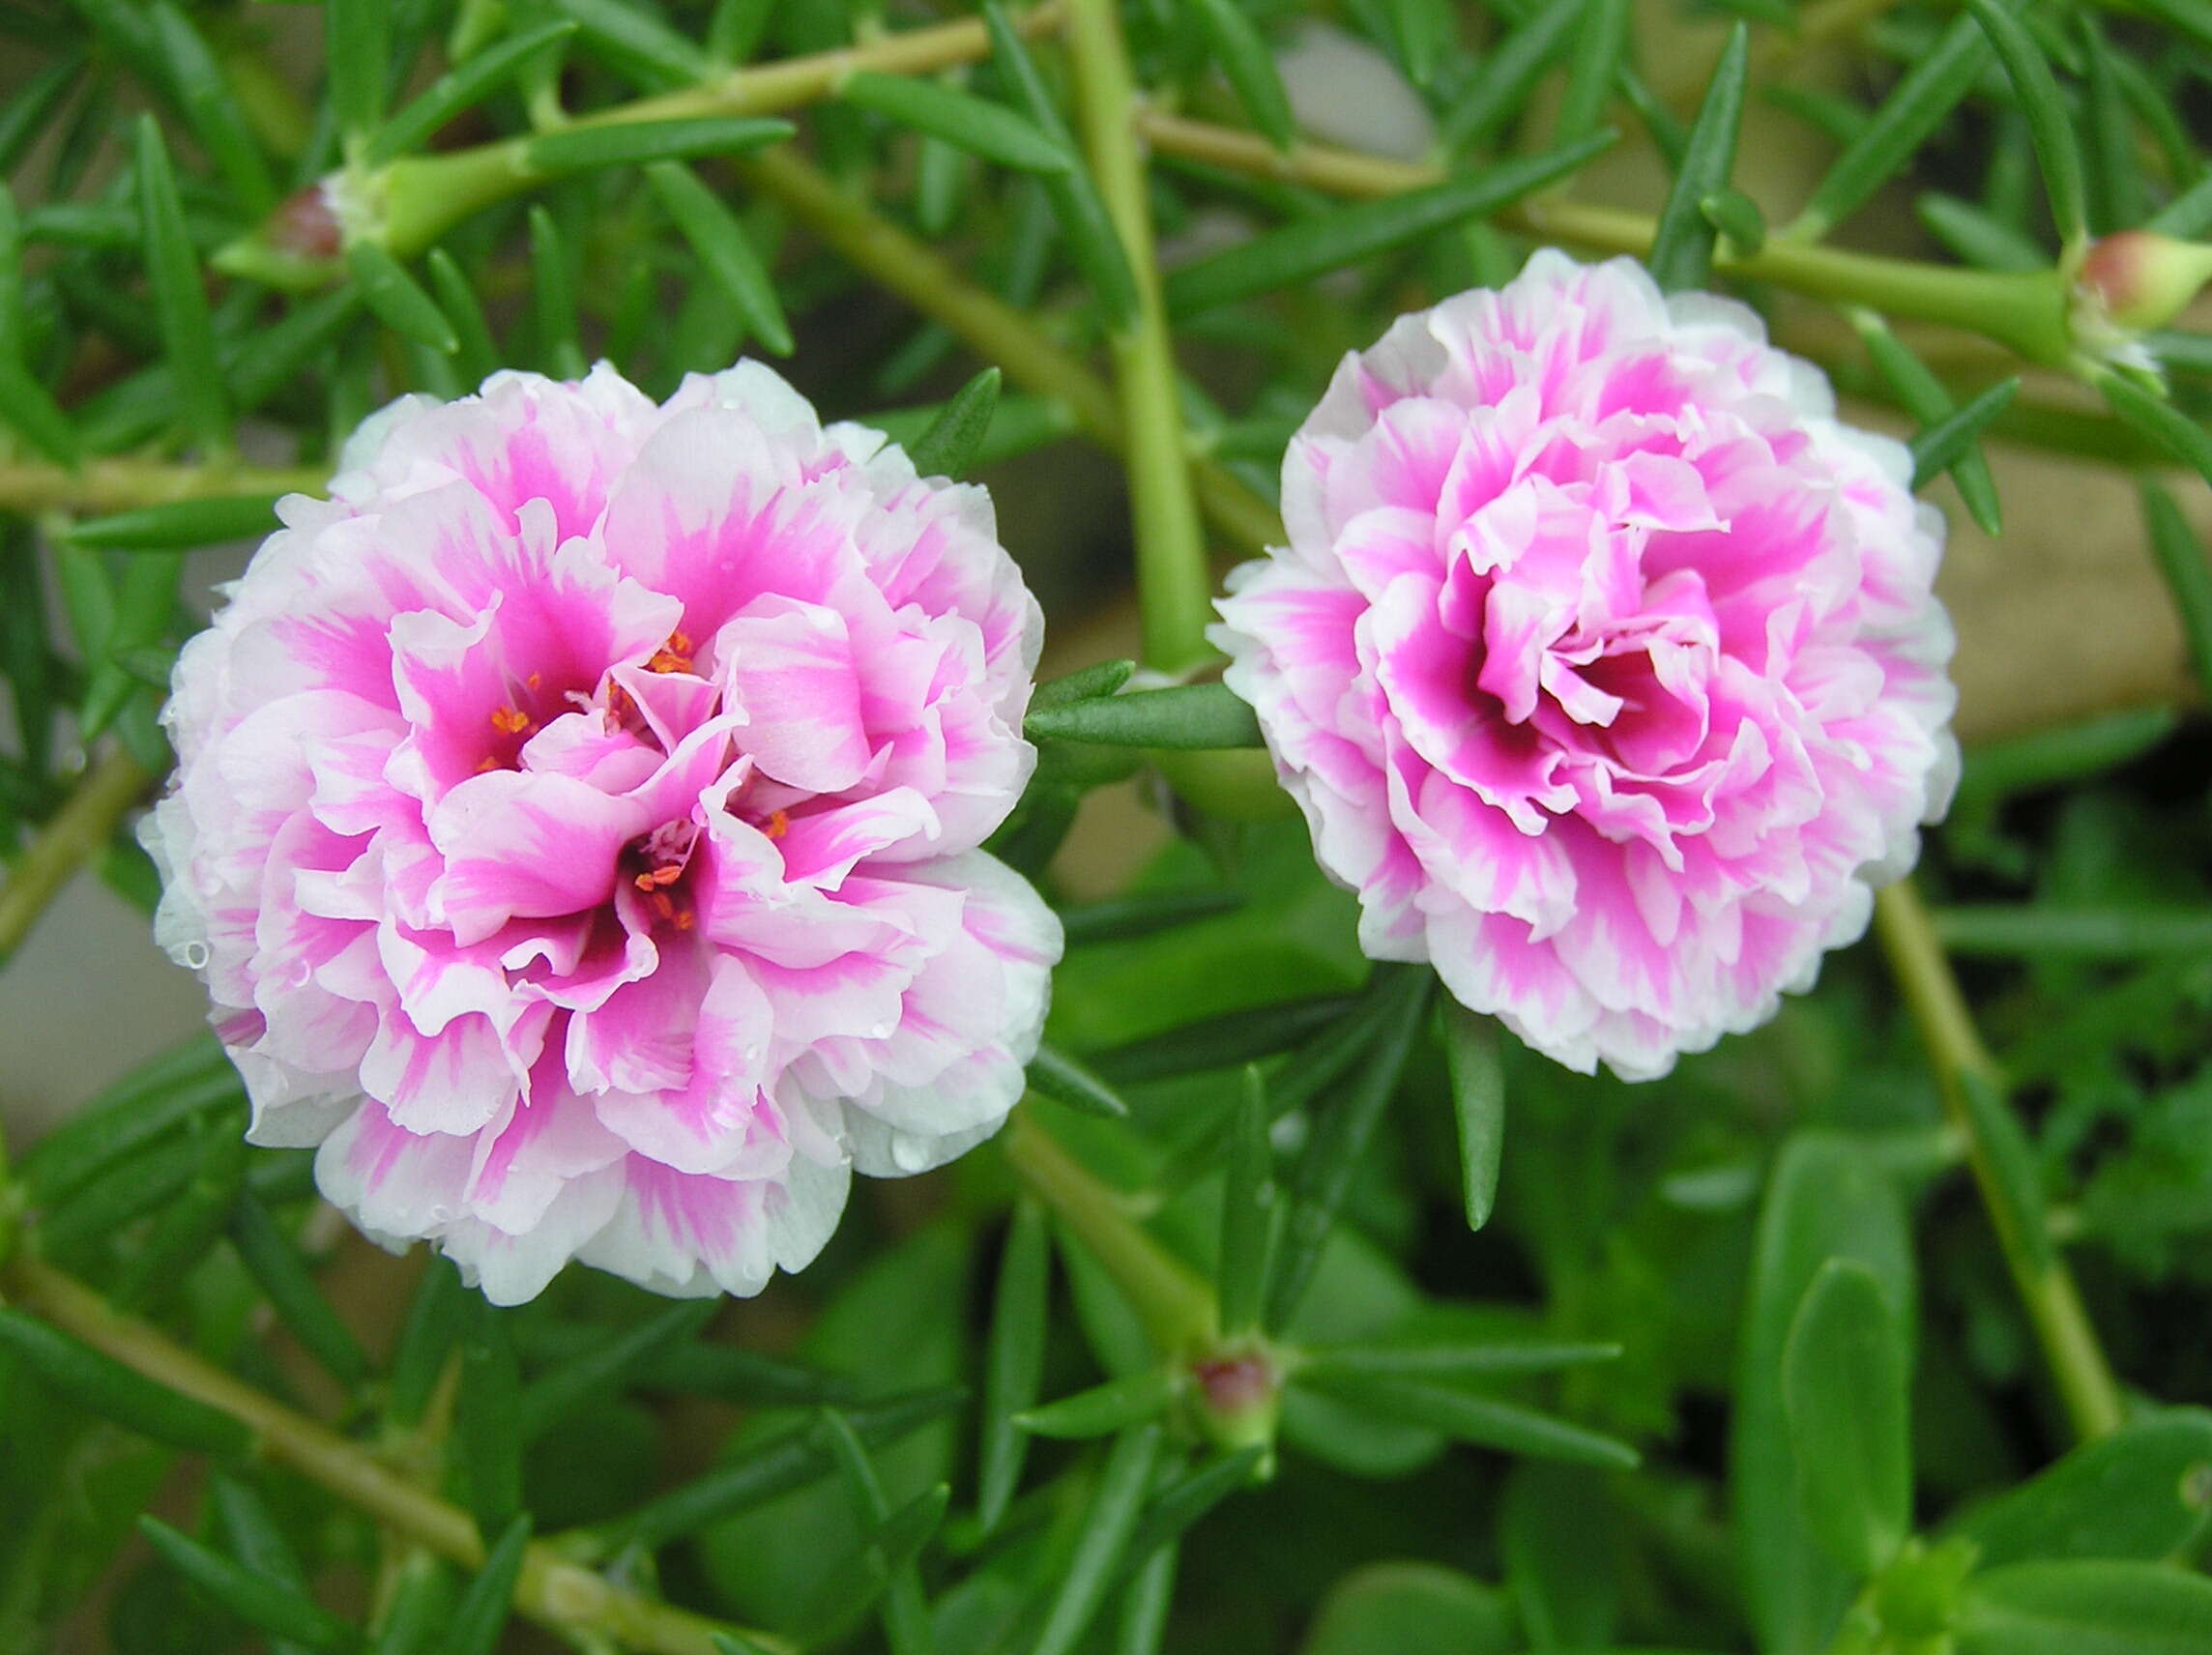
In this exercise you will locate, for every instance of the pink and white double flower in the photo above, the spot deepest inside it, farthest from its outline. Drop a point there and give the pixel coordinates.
(577, 824)
(1603, 659)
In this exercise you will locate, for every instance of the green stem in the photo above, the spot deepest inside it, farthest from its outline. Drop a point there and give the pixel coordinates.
(2027, 312)
(2084, 1380)
(419, 198)
(572, 1601)
(1176, 1307)
(993, 329)
(1174, 589)
(80, 829)
(100, 487)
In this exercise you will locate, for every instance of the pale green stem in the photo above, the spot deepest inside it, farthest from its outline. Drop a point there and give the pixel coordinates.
(1174, 589)
(2084, 1380)
(570, 1600)
(421, 196)
(992, 328)
(100, 487)
(80, 829)
(1177, 1309)
(2027, 312)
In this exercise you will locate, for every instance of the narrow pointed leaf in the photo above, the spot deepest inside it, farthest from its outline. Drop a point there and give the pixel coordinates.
(462, 87)
(1240, 1037)
(1681, 252)
(640, 38)
(1978, 237)
(967, 122)
(796, 1458)
(1103, 1409)
(434, 1321)
(157, 1098)
(1601, 48)
(270, 1605)
(1927, 401)
(490, 1428)
(1937, 448)
(483, 1612)
(1470, 1417)
(2181, 559)
(2115, 175)
(1105, 678)
(275, 1264)
(2160, 420)
(1014, 1362)
(553, 298)
(2050, 124)
(1123, 919)
(1190, 1497)
(31, 409)
(1337, 1144)
(181, 524)
(550, 1397)
(475, 356)
(1092, 243)
(734, 33)
(1300, 252)
(1503, 79)
(1478, 1104)
(102, 1385)
(721, 242)
(1921, 101)
(1062, 1079)
(1107, 1524)
(1190, 717)
(1736, 216)
(212, 108)
(1247, 1215)
(1250, 69)
(634, 143)
(396, 300)
(851, 1587)
(949, 447)
(180, 302)
(357, 47)
(1441, 1360)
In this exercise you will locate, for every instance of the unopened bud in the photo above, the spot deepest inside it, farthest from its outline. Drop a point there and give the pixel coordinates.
(1238, 1393)
(2136, 279)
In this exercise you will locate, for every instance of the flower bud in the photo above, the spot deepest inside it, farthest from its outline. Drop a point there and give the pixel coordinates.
(2136, 279)
(1239, 1395)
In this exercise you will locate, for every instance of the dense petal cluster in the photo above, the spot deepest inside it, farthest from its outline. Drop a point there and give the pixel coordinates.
(576, 824)
(1603, 659)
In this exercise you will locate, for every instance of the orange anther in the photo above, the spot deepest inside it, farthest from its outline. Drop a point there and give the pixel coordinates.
(778, 824)
(509, 720)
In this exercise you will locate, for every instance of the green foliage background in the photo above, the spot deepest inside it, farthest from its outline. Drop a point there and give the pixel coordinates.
(1245, 1336)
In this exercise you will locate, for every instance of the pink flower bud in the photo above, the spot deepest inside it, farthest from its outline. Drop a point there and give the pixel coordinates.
(2136, 281)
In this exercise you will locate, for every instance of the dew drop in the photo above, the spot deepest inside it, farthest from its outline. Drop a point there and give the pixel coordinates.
(196, 956)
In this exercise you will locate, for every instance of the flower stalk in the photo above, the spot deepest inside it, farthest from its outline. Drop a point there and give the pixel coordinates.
(993, 329)
(1177, 1309)
(559, 1595)
(82, 826)
(2025, 311)
(2085, 1381)
(416, 200)
(98, 487)
(1174, 588)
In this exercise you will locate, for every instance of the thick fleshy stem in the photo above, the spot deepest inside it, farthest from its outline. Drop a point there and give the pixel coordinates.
(2083, 1379)
(987, 324)
(100, 487)
(1177, 1308)
(2025, 311)
(416, 200)
(79, 829)
(567, 1599)
(1175, 592)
